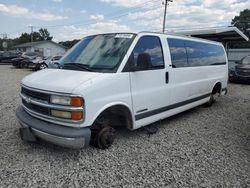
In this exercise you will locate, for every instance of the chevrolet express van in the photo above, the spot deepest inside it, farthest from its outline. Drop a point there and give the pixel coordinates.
(119, 79)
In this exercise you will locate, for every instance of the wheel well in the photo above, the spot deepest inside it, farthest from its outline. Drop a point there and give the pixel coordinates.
(217, 88)
(114, 116)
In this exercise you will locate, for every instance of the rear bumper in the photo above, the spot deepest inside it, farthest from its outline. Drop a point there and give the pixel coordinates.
(224, 91)
(56, 134)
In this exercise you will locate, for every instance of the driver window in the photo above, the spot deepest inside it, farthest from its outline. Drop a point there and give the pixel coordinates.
(147, 54)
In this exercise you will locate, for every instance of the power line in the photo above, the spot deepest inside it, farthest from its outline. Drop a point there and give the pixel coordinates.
(121, 13)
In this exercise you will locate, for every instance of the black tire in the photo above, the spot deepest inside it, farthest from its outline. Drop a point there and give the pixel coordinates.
(25, 65)
(43, 66)
(102, 138)
(211, 101)
(19, 64)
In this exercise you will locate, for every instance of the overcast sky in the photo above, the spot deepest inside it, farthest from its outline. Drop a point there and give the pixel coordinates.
(74, 19)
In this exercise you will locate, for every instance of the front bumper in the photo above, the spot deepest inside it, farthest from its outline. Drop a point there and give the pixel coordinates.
(56, 134)
(235, 77)
(32, 65)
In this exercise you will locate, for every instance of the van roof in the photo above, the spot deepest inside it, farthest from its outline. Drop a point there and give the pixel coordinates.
(180, 35)
(166, 34)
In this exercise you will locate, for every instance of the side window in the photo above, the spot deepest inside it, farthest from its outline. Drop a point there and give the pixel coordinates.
(216, 55)
(196, 54)
(204, 54)
(147, 54)
(178, 53)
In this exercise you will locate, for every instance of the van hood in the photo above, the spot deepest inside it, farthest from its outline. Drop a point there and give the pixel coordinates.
(58, 80)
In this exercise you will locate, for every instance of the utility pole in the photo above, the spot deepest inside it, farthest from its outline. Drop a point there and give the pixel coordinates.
(165, 14)
(31, 36)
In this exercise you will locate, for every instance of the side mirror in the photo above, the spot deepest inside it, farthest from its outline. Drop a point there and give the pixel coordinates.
(237, 62)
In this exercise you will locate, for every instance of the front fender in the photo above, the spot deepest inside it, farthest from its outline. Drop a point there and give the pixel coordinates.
(105, 107)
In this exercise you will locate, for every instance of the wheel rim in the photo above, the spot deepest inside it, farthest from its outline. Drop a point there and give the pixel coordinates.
(43, 66)
(106, 137)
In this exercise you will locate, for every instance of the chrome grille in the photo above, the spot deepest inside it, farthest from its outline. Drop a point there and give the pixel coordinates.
(35, 94)
(36, 108)
(38, 104)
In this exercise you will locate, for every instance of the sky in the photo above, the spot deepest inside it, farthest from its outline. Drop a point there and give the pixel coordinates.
(74, 19)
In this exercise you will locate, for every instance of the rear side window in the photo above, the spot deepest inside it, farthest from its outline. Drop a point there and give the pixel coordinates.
(191, 53)
(204, 54)
(178, 53)
(147, 54)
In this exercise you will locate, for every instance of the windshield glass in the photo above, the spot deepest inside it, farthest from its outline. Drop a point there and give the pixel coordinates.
(99, 53)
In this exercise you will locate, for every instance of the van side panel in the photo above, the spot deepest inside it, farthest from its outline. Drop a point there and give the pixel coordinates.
(197, 76)
(189, 85)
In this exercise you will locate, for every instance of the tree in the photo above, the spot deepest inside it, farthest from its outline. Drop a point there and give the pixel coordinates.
(41, 35)
(242, 21)
(44, 34)
(69, 44)
(25, 37)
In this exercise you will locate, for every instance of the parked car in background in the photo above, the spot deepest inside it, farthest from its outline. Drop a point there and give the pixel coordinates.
(241, 70)
(54, 63)
(42, 64)
(50, 61)
(23, 60)
(6, 57)
(32, 63)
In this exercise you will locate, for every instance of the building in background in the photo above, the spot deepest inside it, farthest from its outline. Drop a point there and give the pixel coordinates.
(44, 48)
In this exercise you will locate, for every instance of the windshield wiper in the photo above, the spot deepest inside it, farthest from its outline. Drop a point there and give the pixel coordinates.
(78, 66)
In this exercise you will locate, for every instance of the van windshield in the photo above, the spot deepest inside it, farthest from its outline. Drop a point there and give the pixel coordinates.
(98, 53)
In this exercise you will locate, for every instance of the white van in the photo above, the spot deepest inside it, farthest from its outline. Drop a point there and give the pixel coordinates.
(119, 79)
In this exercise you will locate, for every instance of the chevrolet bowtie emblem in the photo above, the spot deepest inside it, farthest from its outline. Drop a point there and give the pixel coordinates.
(28, 100)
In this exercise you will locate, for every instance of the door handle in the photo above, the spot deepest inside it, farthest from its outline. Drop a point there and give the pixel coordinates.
(166, 77)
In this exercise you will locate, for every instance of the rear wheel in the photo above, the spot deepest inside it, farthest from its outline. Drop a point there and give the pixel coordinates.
(211, 100)
(214, 95)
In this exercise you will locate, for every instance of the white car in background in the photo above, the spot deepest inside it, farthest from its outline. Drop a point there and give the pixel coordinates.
(54, 62)
(50, 61)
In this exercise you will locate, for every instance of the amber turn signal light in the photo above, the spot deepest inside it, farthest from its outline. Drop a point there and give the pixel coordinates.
(76, 101)
(76, 115)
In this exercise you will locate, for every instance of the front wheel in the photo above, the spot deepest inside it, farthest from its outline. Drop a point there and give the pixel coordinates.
(43, 66)
(103, 138)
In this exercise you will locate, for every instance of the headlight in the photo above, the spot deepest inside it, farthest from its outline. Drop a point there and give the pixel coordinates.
(67, 115)
(69, 101)
(61, 114)
(231, 72)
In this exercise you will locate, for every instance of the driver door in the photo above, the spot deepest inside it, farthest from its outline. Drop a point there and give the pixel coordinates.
(149, 79)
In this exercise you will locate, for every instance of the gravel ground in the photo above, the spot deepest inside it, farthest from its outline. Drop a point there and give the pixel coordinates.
(204, 147)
